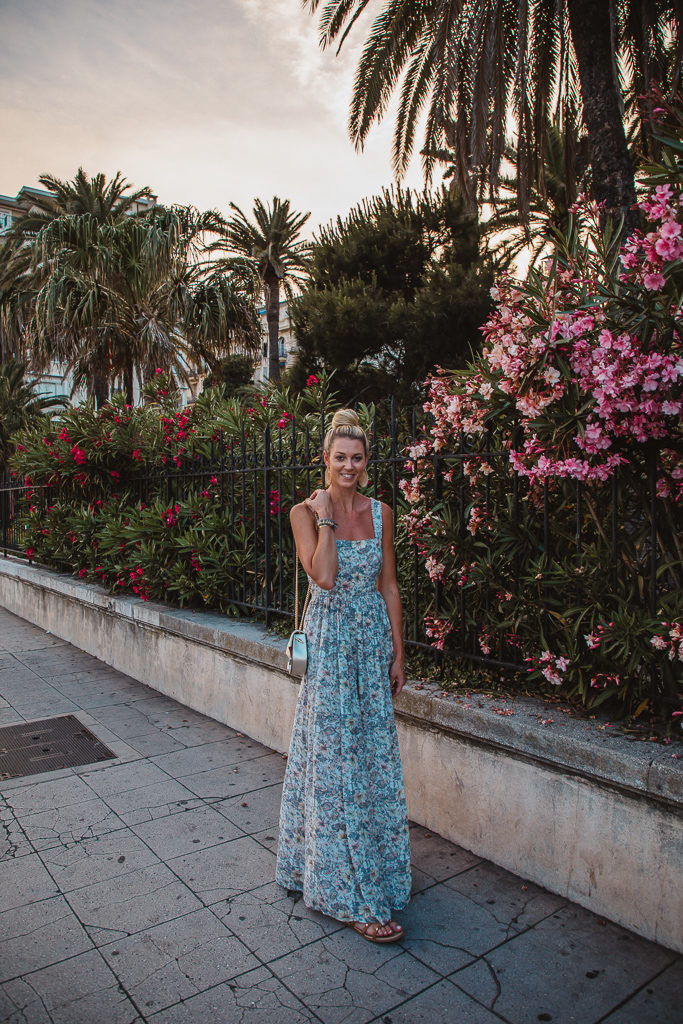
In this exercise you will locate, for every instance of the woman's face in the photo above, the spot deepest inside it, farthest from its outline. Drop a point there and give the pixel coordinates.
(346, 461)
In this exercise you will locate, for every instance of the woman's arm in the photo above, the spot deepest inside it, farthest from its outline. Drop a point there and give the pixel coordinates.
(387, 584)
(316, 545)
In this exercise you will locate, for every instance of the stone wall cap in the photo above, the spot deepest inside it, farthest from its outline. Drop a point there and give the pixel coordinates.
(552, 733)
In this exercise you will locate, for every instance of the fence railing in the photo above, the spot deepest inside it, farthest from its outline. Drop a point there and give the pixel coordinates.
(13, 509)
(256, 477)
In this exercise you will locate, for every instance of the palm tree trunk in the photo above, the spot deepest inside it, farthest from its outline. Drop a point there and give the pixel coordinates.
(271, 290)
(128, 381)
(612, 169)
(100, 389)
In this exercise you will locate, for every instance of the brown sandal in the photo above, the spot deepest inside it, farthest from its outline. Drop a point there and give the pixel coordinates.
(362, 930)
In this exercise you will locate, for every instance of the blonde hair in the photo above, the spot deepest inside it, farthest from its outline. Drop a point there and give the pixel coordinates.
(345, 423)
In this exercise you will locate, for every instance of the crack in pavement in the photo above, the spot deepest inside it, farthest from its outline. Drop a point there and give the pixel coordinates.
(12, 847)
(41, 926)
(499, 987)
(39, 998)
(68, 840)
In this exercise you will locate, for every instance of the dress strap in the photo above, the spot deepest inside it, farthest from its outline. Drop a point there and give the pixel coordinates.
(377, 518)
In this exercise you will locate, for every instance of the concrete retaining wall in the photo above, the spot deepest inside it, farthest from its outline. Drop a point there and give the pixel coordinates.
(554, 798)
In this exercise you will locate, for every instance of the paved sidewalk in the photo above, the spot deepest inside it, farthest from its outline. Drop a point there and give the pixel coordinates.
(141, 889)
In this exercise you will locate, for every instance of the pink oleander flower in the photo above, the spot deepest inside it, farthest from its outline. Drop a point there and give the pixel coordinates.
(485, 641)
(654, 282)
(435, 569)
(411, 490)
(437, 630)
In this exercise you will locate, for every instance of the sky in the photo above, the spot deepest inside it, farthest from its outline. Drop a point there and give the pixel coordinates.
(207, 103)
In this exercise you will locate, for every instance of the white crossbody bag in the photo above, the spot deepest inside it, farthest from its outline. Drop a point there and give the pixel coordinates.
(297, 647)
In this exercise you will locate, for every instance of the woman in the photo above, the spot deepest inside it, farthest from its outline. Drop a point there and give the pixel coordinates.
(343, 824)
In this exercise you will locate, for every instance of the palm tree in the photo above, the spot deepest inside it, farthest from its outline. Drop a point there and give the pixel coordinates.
(565, 174)
(473, 66)
(15, 264)
(102, 200)
(118, 298)
(20, 405)
(270, 248)
(93, 199)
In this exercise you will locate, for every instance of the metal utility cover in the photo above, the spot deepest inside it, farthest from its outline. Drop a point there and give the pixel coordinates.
(46, 745)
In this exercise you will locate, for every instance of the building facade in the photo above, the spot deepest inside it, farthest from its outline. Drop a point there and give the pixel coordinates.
(286, 340)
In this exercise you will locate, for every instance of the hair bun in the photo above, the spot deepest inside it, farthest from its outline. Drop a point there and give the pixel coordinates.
(345, 418)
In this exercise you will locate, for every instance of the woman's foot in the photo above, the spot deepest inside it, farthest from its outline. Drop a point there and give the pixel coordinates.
(375, 932)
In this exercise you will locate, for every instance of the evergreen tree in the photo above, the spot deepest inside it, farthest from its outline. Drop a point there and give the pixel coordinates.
(396, 288)
(231, 373)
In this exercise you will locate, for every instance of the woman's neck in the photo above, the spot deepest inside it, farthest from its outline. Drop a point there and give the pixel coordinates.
(343, 500)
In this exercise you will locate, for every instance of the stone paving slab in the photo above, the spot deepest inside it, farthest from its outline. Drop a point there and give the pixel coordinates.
(84, 989)
(565, 954)
(141, 891)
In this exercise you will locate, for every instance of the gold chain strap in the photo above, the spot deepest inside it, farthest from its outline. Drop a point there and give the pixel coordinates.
(296, 593)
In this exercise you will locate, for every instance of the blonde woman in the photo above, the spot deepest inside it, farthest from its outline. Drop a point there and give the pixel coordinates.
(343, 824)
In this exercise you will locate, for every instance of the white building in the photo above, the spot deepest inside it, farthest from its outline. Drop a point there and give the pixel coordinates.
(12, 208)
(287, 342)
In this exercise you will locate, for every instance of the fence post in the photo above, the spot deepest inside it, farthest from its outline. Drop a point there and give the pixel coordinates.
(268, 572)
(652, 481)
(614, 529)
(438, 586)
(4, 505)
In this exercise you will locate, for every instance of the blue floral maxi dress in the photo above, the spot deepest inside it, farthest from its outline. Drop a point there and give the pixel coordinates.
(343, 823)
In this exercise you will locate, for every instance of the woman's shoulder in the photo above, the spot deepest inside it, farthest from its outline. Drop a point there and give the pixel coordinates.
(299, 511)
(385, 509)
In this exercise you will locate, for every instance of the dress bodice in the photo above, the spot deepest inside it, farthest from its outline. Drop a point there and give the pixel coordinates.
(359, 564)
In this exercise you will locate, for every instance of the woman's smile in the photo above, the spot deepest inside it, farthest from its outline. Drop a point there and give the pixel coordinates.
(346, 461)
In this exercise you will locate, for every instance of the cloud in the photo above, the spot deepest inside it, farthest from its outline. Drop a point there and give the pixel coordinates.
(206, 102)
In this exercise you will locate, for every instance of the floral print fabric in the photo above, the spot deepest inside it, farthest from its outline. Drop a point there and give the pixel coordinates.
(343, 823)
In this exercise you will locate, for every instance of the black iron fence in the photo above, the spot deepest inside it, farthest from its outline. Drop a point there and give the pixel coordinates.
(13, 513)
(621, 534)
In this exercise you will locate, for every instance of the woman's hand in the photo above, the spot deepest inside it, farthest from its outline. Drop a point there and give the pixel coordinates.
(397, 676)
(316, 548)
(320, 504)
